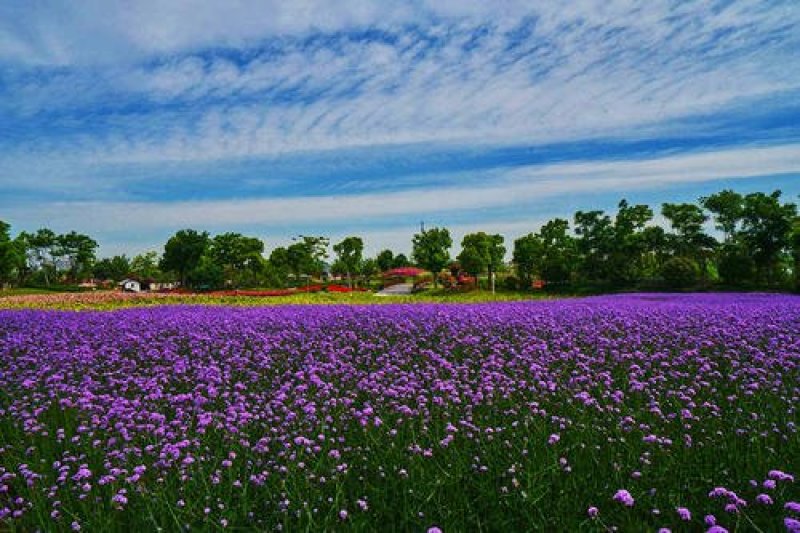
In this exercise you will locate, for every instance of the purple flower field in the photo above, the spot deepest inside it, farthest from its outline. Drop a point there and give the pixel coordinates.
(636, 412)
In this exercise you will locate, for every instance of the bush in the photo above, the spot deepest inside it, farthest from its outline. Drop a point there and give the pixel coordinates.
(736, 267)
(511, 283)
(680, 272)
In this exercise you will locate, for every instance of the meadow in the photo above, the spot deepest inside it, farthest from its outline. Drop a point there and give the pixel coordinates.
(632, 413)
(108, 300)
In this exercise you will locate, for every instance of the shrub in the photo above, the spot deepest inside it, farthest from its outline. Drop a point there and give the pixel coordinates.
(680, 272)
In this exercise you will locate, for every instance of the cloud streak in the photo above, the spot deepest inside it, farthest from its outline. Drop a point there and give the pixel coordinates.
(119, 114)
(507, 189)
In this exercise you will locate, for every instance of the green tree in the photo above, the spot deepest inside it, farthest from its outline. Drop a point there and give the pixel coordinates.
(40, 252)
(206, 274)
(472, 260)
(306, 255)
(385, 260)
(368, 269)
(655, 246)
(113, 268)
(767, 231)
(350, 253)
(680, 272)
(400, 261)
(279, 265)
(559, 253)
(10, 257)
(431, 250)
(238, 256)
(183, 251)
(484, 248)
(78, 253)
(727, 207)
(527, 256)
(735, 264)
(595, 244)
(796, 252)
(689, 239)
(629, 244)
(145, 266)
(687, 221)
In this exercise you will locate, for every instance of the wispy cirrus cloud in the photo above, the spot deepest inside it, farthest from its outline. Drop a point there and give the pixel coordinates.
(282, 106)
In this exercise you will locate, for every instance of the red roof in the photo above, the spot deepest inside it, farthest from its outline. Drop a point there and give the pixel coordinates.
(404, 272)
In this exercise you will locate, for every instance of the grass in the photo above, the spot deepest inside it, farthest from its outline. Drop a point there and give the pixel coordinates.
(108, 300)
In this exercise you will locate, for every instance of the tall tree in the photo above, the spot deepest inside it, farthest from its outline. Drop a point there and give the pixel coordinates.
(238, 256)
(77, 251)
(727, 207)
(400, 260)
(687, 221)
(385, 260)
(10, 257)
(368, 269)
(279, 264)
(350, 252)
(472, 260)
(628, 248)
(306, 255)
(766, 230)
(431, 250)
(595, 244)
(689, 239)
(559, 252)
(527, 256)
(40, 252)
(145, 265)
(113, 268)
(796, 252)
(488, 249)
(183, 252)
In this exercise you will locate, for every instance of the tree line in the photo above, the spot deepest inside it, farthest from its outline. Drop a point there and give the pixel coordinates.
(756, 245)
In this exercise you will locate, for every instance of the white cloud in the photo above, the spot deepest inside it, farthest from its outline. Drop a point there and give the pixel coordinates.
(505, 190)
(588, 68)
(96, 93)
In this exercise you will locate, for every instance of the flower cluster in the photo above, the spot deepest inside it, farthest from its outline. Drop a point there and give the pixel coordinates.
(632, 412)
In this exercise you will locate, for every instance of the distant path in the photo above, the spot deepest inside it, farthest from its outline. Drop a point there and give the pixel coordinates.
(401, 289)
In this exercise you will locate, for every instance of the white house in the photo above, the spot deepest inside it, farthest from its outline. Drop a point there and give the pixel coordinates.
(130, 285)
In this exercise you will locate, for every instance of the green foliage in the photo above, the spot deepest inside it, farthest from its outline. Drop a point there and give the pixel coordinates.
(207, 274)
(680, 272)
(595, 244)
(728, 208)
(482, 252)
(305, 256)
(528, 251)
(431, 249)
(400, 261)
(145, 266)
(796, 252)
(114, 268)
(77, 252)
(238, 256)
(471, 260)
(767, 227)
(559, 254)
(350, 254)
(183, 251)
(385, 260)
(735, 265)
(278, 267)
(11, 258)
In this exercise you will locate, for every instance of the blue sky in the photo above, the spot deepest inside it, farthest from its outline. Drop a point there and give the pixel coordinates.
(131, 120)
